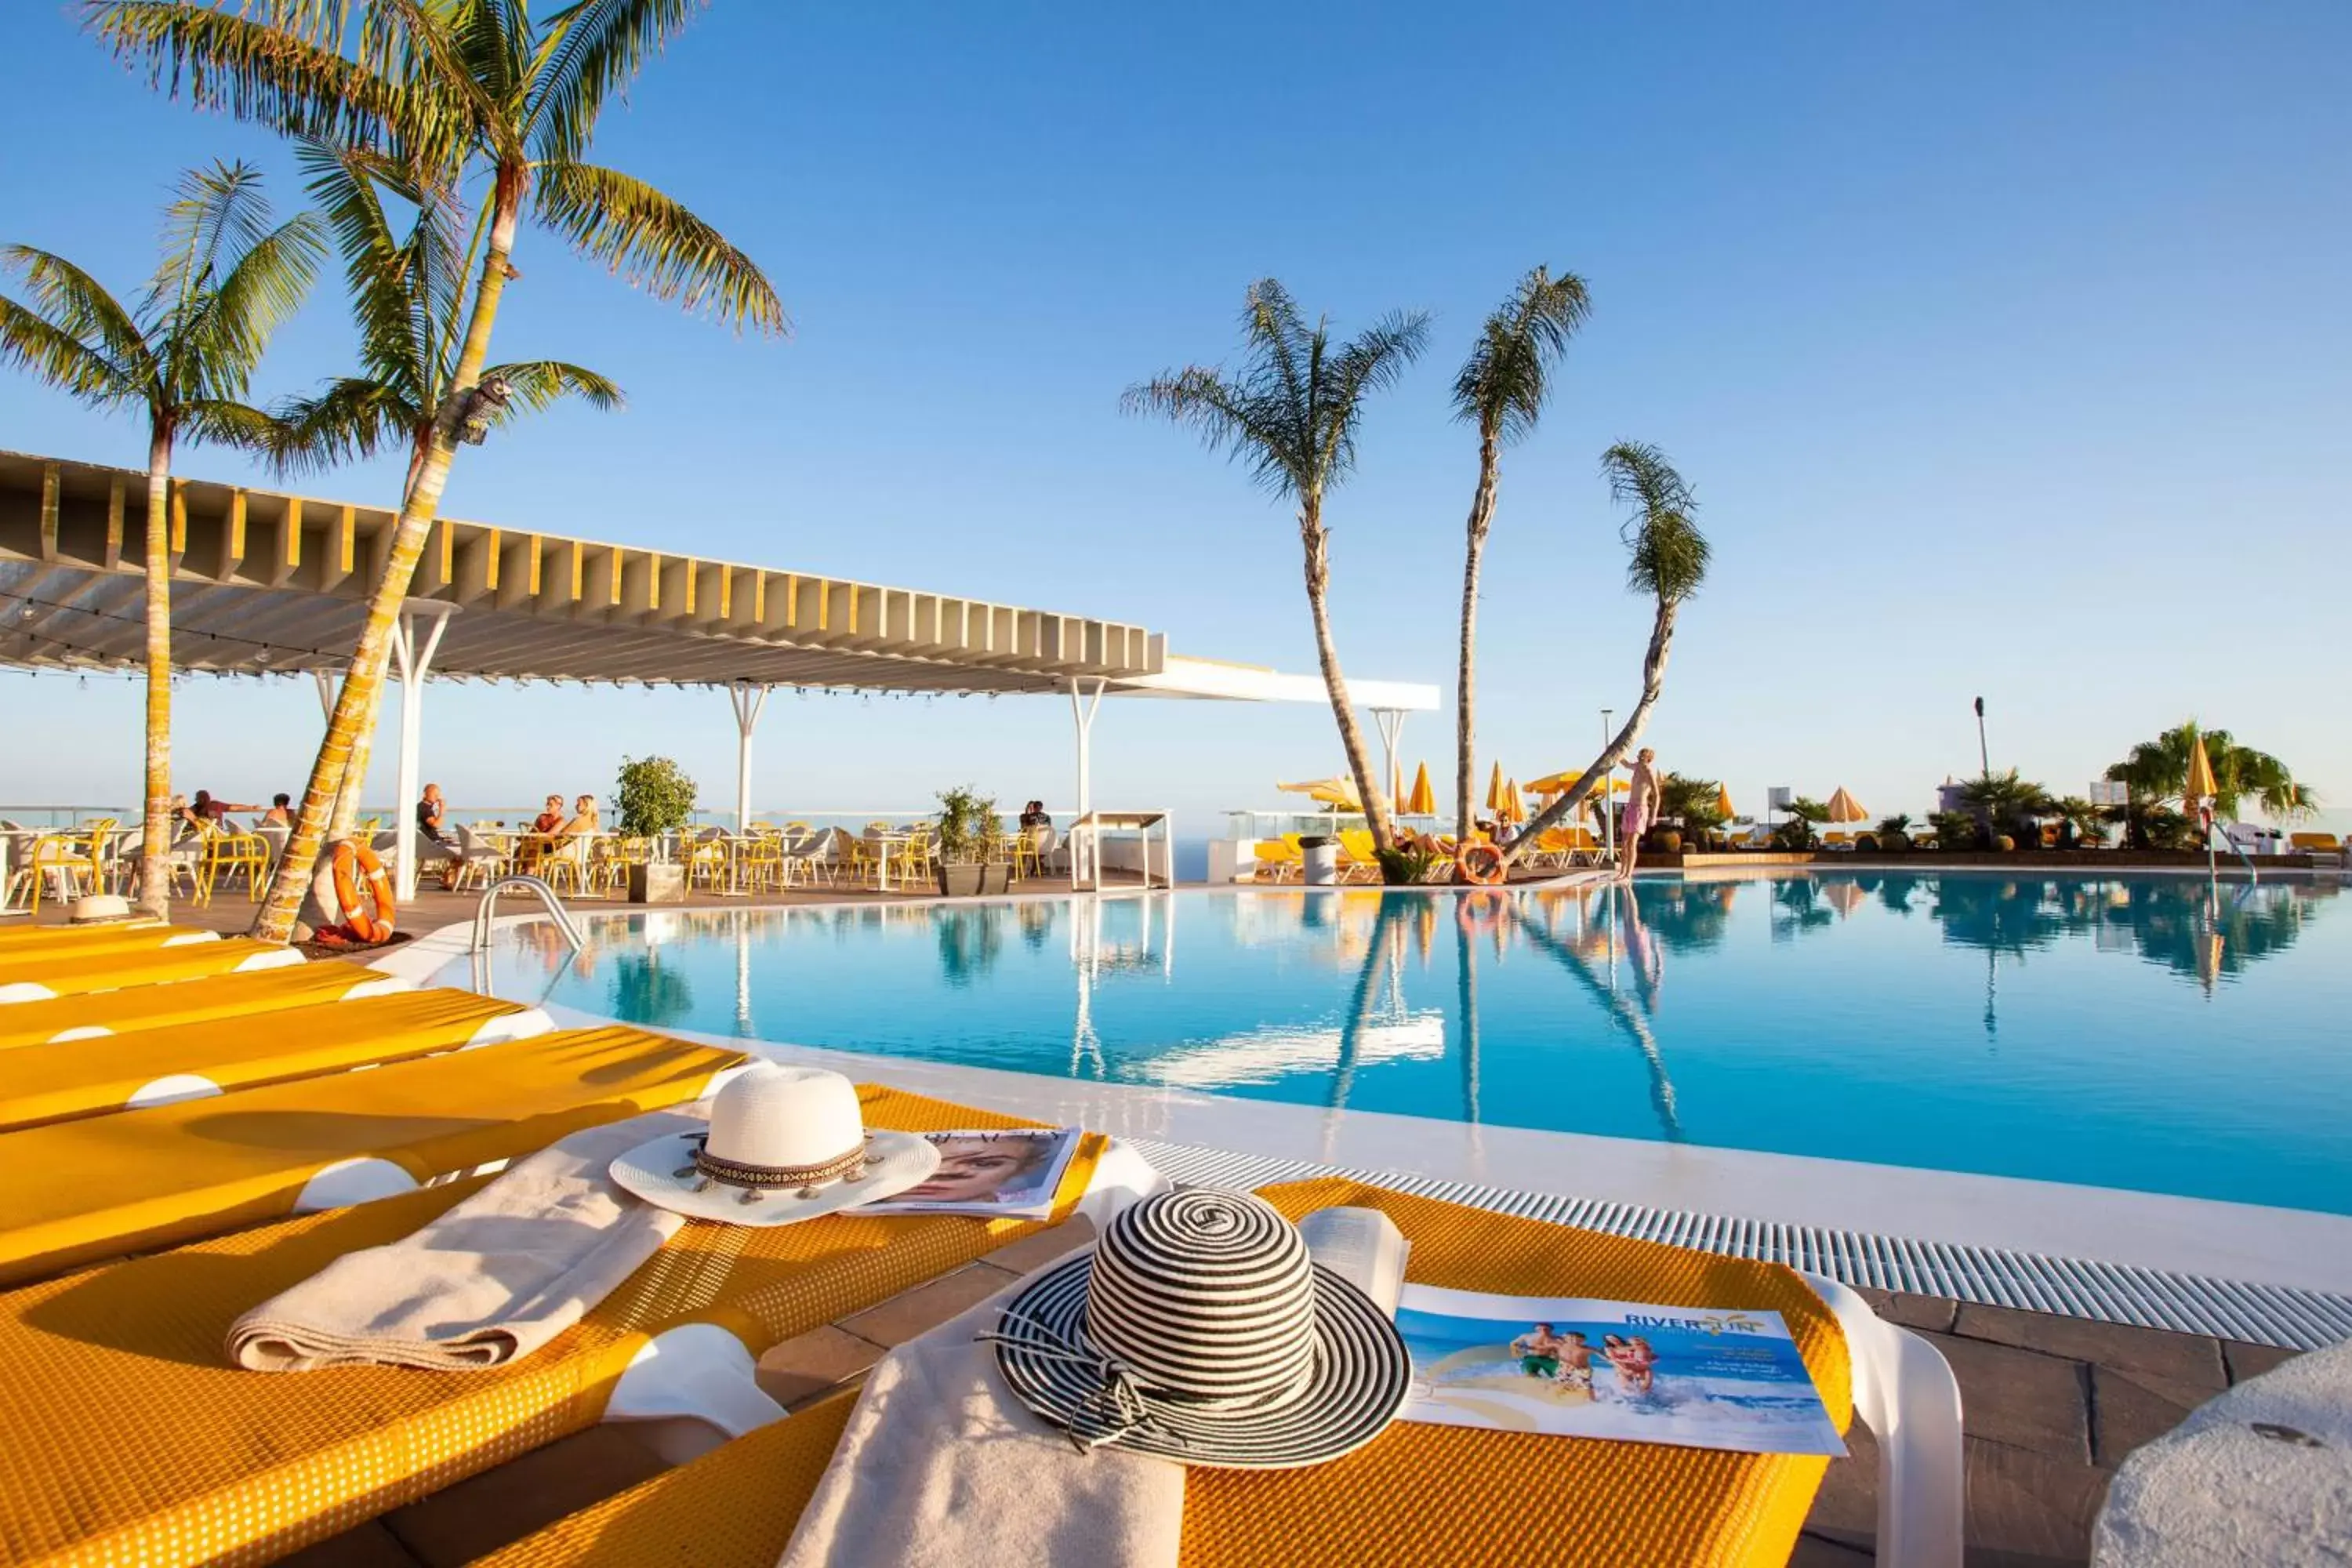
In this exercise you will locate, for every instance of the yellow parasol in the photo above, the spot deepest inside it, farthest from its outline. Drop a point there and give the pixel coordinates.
(1511, 811)
(2200, 773)
(1844, 807)
(1338, 793)
(1723, 803)
(1561, 783)
(1422, 801)
(1495, 789)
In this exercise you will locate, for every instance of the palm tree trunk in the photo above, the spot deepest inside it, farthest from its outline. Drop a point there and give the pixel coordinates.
(363, 689)
(1482, 515)
(1351, 734)
(1653, 682)
(155, 832)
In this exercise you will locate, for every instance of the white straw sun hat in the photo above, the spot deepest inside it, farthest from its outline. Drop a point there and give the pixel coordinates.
(1198, 1330)
(785, 1143)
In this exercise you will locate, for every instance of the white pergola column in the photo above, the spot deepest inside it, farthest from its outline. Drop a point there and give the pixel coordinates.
(1391, 724)
(1082, 704)
(748, 697)
(326, 679)
(416, 636)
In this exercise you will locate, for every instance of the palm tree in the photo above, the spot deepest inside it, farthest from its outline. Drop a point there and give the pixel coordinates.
(449, 89)
(1667, 560)
(408, 290)
(2159, 770)
(185, 354)
(1291, 414)
(2005, 802)
(1501, 390)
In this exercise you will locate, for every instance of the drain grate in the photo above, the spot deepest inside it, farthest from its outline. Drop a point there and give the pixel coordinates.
(2068, 1286)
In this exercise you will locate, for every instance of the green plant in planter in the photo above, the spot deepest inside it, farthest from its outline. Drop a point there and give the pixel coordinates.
(1408, 865)
(1893, 834)
(1957, 830)
(2003, 844)
(654, 797)
(1865, 843)
(1797, 832)
(970, 832)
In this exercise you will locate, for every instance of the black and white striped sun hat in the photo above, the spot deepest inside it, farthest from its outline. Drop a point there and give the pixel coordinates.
(1198, 1330)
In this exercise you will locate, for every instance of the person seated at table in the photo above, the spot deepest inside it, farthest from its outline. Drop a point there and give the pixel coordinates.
(1035, 815)
(582, 822)
(432, 841)
(279, 814)
(550, 820)
(213, 813)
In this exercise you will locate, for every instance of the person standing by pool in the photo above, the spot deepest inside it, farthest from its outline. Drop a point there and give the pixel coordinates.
(1641, 810)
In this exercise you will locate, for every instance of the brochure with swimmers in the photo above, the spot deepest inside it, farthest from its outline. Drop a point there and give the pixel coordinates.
(1003, 1172)
(1700, 1378)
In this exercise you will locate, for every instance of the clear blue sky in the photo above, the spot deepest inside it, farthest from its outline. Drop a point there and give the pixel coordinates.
(2008, 346)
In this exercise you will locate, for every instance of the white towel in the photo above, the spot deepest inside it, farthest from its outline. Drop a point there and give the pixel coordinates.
(491, 1279)
(940, 1467)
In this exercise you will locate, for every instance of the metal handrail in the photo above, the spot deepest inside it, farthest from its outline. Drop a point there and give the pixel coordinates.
(555, 910)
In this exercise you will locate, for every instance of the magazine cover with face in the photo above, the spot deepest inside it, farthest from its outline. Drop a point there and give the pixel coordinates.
(1703, 1378)
(1007, 1173)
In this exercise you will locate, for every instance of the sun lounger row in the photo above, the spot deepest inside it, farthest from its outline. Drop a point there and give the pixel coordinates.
(37, 976)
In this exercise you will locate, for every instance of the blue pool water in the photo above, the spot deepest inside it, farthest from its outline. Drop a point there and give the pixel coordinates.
(2111, 1031)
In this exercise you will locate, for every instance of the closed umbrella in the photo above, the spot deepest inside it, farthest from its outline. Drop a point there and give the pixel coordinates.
(1495, 789)
(1844, 807)
(2200, 773)
(1723, 803)
(1422, 801)
(1511, 811)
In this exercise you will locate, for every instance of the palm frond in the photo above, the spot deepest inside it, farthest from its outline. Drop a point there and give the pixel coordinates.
(1668, 553)
(1371, 362)
(225, 422)
(274, 76)
(352, 418)
(655, 244)
(536, 383)
(77, 305)
(404, 289)
(591, 50)
(234, 322)
(64, 361)
(220, 207)
(1229, 419)
(1502, 387)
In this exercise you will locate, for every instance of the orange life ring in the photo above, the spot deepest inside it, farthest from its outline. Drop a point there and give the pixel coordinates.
(1479, 863)
(356, 864)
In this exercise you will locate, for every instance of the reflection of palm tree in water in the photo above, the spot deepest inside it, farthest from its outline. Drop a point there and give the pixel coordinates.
(1379, 954)
(1621, 1012)
(645, 993)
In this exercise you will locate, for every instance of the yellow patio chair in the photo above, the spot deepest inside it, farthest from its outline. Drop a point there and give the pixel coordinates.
(228, 854)
(1358, 857)
(58, 861)
(80, 1191)
(1375, 1506)
(1278, 859)
(2315, 843)
(140, 1007)
(118, 1371)
(69, 1079)
(34, 980)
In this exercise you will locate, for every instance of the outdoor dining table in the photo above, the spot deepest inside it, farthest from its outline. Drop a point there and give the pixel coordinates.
(886, 846)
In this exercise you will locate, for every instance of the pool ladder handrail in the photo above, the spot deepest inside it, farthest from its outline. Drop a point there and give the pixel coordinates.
(555, 910)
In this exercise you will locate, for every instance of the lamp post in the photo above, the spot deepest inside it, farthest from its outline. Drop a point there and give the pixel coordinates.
(1984, 758)
(1607, 787)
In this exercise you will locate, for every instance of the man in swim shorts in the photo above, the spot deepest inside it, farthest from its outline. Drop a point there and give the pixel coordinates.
(1538, 1351)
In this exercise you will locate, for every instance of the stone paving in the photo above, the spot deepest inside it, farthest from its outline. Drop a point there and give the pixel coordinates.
(2049, 1403)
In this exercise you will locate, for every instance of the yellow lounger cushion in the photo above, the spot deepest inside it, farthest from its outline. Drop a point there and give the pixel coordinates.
(19, 941)
(37, 978)
(188, 1001)
(88, 1078)
(1436, 1497)
(125, 1436)
(80, 1191)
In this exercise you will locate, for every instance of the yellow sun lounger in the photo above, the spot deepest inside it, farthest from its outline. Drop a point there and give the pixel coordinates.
(37, 978)
(80, 1191)
(1420, 1493)
(75, 1079)
(126, 1436)
(86, 1016)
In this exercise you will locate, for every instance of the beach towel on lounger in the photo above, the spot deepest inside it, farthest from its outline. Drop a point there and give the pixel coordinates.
(492, 1279)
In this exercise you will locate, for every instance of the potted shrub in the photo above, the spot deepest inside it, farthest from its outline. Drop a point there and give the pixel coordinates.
(2003, 844)
(1895, 835)
(1665, 841)
(972, 844)
(656, 799)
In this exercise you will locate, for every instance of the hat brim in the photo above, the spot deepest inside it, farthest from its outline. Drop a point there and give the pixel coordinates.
(651, 1171)
(1363, 1377)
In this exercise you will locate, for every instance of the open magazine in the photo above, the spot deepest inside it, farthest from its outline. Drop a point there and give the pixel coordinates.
(1700, 1378)
(1003, 1172)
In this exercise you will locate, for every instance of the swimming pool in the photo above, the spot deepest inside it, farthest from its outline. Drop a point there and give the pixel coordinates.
(2116, 1032)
